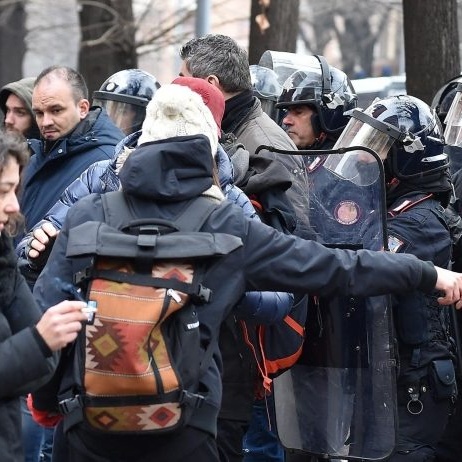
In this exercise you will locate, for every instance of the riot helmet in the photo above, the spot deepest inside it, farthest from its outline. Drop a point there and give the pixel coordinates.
(284, 63)
(453, 127)
(266, 88)
(407, 135)
(125, 96)
(324, 88)
(444, 96)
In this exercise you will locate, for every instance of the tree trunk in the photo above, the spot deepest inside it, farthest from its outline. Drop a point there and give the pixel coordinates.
(53, 35)
(12, 32)
(108, 40)
(282, 33)
(431, 43)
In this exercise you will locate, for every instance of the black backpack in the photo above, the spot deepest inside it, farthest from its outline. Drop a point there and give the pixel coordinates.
(136, 368)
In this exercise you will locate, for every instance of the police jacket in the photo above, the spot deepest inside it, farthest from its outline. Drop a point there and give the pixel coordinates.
(49, 173)
(267, 259)
(25, 360)
(416, 225)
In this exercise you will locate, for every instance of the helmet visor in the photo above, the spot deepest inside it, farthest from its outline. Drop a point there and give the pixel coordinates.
(264, 82)
(360, 133)
(128, 117)
(360, 166)
(453, 122)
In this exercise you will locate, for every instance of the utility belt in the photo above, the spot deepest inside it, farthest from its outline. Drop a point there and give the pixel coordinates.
(440, 382)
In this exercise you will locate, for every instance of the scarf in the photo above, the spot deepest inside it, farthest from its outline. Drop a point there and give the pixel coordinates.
(236, 108)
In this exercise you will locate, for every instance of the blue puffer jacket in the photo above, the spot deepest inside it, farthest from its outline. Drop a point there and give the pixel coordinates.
(48, 174)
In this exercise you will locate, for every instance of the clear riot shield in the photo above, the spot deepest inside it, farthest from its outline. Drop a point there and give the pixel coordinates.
(338, 401)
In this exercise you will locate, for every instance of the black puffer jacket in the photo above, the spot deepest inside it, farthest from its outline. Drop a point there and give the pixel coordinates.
(25, 360)
(159, 177)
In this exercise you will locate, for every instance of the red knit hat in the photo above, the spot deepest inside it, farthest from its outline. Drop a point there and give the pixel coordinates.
(211, 95)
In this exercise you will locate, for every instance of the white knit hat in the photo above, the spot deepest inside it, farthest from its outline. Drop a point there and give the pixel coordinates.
(176, 110)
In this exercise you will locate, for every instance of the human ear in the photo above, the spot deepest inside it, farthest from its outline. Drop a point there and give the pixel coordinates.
(83, 106)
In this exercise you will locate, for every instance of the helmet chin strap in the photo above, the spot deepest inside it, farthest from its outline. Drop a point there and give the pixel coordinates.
(392, 184)
(391, 181)
(318, 141)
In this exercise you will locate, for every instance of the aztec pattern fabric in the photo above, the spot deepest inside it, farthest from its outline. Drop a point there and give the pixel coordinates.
(126, 354)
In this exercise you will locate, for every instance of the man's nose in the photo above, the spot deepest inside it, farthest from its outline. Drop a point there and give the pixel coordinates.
(47, 120)
(9, 118)
(287, 120)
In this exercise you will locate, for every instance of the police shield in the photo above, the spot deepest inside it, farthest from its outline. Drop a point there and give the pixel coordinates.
(338, 401)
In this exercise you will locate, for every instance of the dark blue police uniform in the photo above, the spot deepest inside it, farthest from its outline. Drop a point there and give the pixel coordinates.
(426, 377)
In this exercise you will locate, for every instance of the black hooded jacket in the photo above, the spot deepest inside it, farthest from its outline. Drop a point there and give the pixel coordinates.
(25, 360)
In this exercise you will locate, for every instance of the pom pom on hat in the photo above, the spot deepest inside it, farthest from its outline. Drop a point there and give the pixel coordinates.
(176, 110)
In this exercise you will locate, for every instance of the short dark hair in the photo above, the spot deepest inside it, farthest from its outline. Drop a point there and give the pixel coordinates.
(74, 78)
(13, 144)
(219, 55)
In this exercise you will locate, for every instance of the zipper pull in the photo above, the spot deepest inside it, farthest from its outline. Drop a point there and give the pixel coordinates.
(172, 293)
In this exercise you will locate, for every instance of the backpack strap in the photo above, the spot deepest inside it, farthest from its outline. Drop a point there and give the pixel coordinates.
(195, 214)
(116, 208)
(197, 211)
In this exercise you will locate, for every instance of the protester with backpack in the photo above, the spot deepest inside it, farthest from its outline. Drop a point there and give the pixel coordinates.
(165, 175)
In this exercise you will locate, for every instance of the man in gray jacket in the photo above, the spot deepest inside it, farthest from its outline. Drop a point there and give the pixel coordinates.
(219, 60)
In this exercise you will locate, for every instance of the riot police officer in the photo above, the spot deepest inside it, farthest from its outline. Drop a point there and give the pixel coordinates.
(314, 105)
(125, 96)
(447, 104)
(316, 101)
(325, 95)
(418, 188)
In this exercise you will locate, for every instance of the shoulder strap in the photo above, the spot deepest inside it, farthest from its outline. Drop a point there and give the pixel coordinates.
(191, 218)
(408, 204)
(115, 208)
(195, 213)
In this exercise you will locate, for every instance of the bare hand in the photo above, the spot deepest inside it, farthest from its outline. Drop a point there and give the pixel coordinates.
(61, 323)
(41, 238)
(451, 284)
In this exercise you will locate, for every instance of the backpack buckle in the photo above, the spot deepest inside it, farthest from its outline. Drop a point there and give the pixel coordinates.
(68, 405)
(82, 275)
(203, 294)
(147, 240)
(191, 399)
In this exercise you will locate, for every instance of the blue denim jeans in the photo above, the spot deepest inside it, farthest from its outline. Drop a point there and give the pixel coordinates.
(260, 443)
(37, 440)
